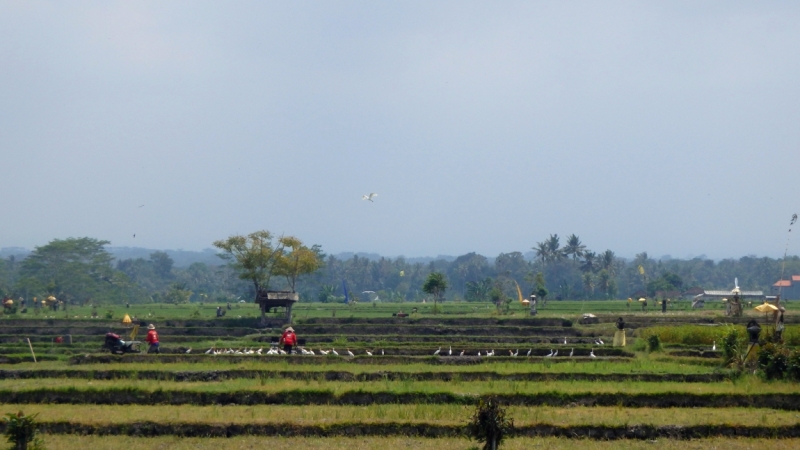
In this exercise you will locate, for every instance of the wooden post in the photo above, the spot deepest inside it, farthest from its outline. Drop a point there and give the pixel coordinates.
(31, 347)
(289, 314)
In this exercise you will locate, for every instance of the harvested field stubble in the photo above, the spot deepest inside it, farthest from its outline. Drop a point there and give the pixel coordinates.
(453, 415)
(67, 442)
(362, 398)
(648, 364)
(329, 375)
(741, 387)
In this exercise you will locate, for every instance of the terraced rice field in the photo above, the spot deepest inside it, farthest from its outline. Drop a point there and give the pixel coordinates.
(407, 398)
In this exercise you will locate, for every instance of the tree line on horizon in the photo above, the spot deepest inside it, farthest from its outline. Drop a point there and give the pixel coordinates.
(81, 271)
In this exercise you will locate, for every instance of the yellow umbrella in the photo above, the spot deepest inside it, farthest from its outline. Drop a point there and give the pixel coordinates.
(766, 307)
(642, 299)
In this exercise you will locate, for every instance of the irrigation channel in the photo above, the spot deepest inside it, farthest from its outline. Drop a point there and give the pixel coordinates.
(551, 372)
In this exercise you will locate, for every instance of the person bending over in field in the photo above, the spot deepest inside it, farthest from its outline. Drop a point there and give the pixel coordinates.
(288, 340)
(152, 339)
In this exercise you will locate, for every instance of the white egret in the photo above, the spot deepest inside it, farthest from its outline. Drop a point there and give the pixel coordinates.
(369, 197)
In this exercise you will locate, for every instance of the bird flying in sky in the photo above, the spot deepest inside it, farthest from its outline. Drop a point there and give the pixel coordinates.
(369, 197)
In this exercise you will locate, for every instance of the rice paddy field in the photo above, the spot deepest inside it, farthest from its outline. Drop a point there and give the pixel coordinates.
(561, 387)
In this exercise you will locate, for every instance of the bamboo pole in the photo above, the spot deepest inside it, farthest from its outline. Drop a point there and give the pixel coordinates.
(31, 347)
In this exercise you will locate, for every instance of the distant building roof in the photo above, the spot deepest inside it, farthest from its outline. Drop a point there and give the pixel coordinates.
(727, 294)
(665, 294)
(796, 278)
(783, 283)
(694, 291)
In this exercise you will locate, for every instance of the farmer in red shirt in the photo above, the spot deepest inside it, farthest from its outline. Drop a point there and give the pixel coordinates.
(152, 339)
(288, 340)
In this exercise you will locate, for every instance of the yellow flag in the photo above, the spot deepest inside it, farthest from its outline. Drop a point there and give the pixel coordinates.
(519, 291)
(641, 270)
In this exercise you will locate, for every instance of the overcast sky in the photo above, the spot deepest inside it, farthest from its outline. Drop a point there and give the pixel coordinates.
(667, 127)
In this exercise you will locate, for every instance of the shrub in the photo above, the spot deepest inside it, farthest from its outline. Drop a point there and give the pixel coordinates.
(734, 348)
(773, 361)
(793, 372)
(489, 423)
(653, 343)
(21, 431)
(776, 362)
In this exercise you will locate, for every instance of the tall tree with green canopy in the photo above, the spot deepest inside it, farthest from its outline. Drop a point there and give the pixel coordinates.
(436, 285)
(162, 264)
(478, 291)
(254, 257)
(73, 268)
(300, 260)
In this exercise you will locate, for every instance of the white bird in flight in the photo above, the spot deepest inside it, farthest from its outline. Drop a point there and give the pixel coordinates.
(369, 197)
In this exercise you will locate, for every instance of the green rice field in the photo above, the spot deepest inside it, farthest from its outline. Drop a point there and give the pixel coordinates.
(681, 396)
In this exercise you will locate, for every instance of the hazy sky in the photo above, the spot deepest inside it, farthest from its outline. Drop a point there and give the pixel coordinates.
(668, 127)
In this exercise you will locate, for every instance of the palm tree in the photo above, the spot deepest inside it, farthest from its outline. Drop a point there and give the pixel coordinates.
(589, 264)
(604, 281)
(554, 247)
(607, 262)
(588, 283)
(574, 247)
(479, 290)
(542, 252)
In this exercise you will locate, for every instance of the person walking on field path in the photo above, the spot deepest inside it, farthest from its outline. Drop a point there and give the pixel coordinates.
(288, 340)
(152, 339)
